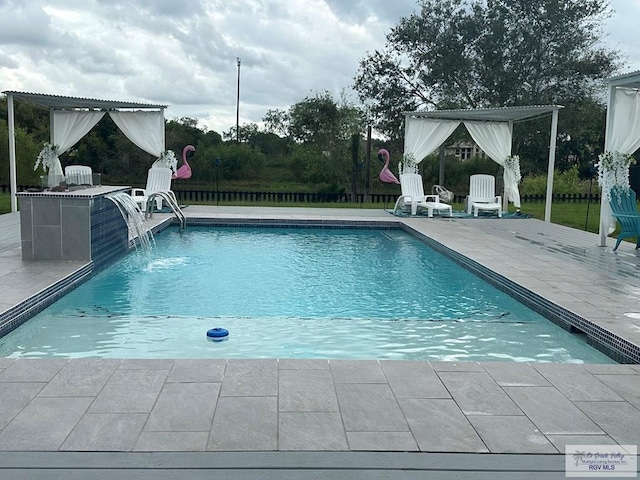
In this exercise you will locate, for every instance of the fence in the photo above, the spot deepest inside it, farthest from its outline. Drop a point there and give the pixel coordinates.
(306, 197)
(212, 197)
(278, 197)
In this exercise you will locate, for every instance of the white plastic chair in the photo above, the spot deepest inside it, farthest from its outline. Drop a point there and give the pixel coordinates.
(482, 195)
(413, 195)
(158, 180)
(78, 175)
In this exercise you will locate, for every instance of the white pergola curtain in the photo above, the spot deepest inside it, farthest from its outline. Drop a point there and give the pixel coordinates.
(69, 126)
(422, 136)
(624, 130)
(622, 135)
(144, 129)
(495, 138)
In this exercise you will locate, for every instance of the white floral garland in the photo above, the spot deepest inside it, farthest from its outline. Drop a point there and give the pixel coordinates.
(613, 170)
(408, 164)
(169, 159)
(512, 167)
(47, 157)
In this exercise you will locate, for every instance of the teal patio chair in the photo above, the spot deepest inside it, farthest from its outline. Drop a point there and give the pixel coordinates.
(625, 209)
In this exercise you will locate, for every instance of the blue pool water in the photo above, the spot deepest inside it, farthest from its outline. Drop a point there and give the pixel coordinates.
(293, 293)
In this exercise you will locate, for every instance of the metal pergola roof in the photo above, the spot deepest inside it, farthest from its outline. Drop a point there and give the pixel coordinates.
(59, 102)
(627, 80)
(500, 114)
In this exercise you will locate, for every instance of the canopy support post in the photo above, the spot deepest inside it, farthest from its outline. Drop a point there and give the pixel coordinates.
(52, 125)
(603, 228)
(505, 197)
(552, 162)
(12, 154)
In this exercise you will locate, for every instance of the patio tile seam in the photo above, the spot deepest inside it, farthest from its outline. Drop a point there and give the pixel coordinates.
(515, 417)
(259, 395)
(484, 442)
(94, 396)
(340, 409)
(606, 432)
(573, 403)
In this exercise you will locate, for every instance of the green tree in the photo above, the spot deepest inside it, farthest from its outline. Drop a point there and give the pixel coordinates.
(277, 121)
(315, 120)
(27, 150)
(246, 132)
(494, 53)
(211, 138)
(185, 131)
(321, 129)
(182, 132)
(584, 136)
(31, 125)
(266, 141)
(33, 119)
(270, 144)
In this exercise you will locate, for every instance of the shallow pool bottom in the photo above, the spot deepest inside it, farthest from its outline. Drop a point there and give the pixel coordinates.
(186, 337)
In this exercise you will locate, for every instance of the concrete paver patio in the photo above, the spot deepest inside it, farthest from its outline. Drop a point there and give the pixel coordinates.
(329, 405)
(268, 405)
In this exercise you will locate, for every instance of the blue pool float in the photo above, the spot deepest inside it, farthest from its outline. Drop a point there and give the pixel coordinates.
(217, 334)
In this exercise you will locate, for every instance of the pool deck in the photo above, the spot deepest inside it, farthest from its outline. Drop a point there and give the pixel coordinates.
(269, 418)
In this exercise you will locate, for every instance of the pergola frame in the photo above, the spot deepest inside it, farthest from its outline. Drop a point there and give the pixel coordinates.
(509, 115)
(58, 102)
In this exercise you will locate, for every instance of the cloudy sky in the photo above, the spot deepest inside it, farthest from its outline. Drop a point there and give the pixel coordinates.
(182, 53)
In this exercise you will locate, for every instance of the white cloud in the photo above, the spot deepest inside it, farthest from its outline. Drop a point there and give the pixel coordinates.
(184, 53)
(8, 62)
(23, 25)
(622, 32)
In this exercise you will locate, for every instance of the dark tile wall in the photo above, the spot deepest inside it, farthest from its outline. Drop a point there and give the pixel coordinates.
(109, 233)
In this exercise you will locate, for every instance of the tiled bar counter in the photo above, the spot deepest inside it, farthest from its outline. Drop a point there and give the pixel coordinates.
(77, 225)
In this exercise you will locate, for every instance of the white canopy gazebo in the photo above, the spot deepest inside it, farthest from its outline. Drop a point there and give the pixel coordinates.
(490, 128)
(622, 133)
(71, 118)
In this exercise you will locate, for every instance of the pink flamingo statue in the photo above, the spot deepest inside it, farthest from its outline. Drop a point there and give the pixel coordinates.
(184, 171)
(385, 174)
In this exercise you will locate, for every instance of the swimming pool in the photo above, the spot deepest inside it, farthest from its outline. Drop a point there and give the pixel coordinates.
(293, 293)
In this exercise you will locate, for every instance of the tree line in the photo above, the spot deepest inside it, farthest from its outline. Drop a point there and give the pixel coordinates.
(314, 150)
(447, 54)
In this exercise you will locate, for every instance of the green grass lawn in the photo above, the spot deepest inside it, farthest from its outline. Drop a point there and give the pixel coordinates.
(572, 215)
(5, 203)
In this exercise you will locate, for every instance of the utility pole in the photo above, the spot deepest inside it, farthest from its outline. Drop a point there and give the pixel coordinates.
(238, 104)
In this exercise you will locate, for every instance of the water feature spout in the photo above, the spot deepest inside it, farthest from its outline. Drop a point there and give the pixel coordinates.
(139, 230)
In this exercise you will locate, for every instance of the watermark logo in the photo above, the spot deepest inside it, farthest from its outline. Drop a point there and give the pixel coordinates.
(601, 461)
